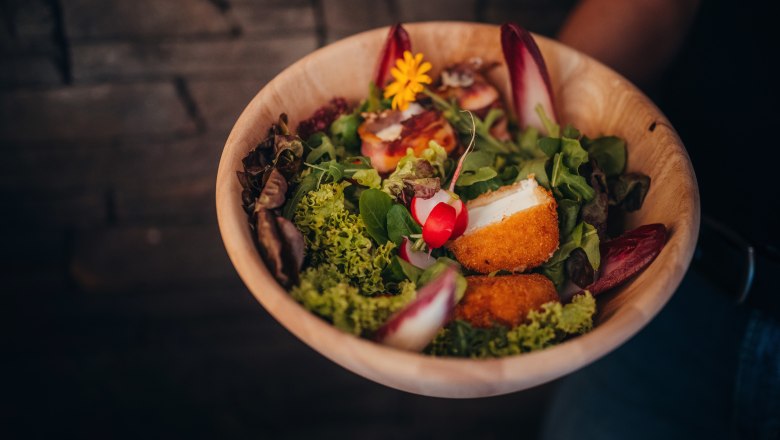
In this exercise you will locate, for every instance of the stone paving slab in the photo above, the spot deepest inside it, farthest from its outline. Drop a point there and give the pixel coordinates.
(95, 111)
(143, 19)
(240, 58)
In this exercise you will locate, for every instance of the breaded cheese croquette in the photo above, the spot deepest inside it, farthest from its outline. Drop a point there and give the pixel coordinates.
(514, 228)
(504, 300)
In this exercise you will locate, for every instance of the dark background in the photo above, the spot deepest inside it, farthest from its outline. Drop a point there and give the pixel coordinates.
(123, 316)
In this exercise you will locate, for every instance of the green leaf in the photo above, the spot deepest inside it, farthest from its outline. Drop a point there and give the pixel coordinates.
(323, 149)
(367, 177)
(567, 216)
(476, 189)
(478, 159)
(527, 144)
(571, 185)
(308, 183)
(400, 269)
(400, 224)
(590, 244)
(629, 191)
(470, 177)
(573, 153)
(553, 129)
(571, 132)
(344, 130)
(437, 268)
(549, 146)
(374, 206)
(537, 167)
(610, 153)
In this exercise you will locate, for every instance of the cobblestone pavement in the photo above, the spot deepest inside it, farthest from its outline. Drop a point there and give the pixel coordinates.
(126, 315)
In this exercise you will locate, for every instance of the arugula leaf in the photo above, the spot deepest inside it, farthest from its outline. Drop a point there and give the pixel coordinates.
(573, 153)
(571, 132)
(400, 269)
(549, 145)
(570, 184)
(609, 152)
(478, 159)
(537, 167)
(553, 129)
(628, 191)
(374, 205)
(308, 183)
(527, 143)
(344, 130)
(470, 177)
(400, 223)
(567, 216)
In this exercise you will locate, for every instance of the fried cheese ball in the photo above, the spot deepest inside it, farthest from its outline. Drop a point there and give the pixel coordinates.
(504, 300)
(514, 228)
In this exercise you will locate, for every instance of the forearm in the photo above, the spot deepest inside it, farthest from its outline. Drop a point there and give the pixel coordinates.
(638, 38)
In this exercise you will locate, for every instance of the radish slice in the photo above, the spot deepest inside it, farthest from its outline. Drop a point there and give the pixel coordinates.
(624, 256)
(414, 326)
(421, 208)
(461, 221)
(397, 42)
(528, 74)
(420, 259)
(439, 226)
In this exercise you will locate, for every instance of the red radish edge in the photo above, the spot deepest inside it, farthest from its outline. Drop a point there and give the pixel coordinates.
(397, 43)
(420, 259)
(439, 226)
(624, 256)
(421, 208)
(461, 222)
(415, 326)
(528, 75)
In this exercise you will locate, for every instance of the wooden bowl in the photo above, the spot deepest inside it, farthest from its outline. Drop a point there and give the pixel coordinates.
(591, 96)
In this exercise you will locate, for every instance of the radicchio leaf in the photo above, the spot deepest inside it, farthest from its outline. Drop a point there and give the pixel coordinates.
(528, 75)
(396, 44)
(625, 256)
(273, 194)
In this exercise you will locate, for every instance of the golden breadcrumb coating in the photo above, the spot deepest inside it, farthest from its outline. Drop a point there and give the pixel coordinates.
(504, 300)
(519, 242)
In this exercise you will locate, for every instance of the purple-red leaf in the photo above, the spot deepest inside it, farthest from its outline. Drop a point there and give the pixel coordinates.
(397, 42)
(528, 75)
(624, 256)
(414, 326)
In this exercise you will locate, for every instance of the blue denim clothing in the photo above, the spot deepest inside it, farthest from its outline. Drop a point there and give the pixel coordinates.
(703, 368)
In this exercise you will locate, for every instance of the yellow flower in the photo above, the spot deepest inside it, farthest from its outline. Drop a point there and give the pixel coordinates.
(410, 76)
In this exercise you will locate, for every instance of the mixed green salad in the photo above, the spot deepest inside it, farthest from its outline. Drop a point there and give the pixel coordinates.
(365, 211)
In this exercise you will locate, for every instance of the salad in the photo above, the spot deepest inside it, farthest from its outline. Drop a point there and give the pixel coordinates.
(430, 217)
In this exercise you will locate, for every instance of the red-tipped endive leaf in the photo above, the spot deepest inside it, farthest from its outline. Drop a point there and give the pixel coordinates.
(420, 259)
(439, 226)
(528, 75)
(396, 44)
(415, 326)
(624, 256)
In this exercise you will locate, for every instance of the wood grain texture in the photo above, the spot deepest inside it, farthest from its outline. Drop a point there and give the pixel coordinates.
(588, 94)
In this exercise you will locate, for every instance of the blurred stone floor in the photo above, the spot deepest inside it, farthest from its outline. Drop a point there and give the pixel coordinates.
(122, 314)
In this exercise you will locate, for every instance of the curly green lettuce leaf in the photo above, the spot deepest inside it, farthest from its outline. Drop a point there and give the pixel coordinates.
(323, 291)
(335, 235)
(551, 324)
